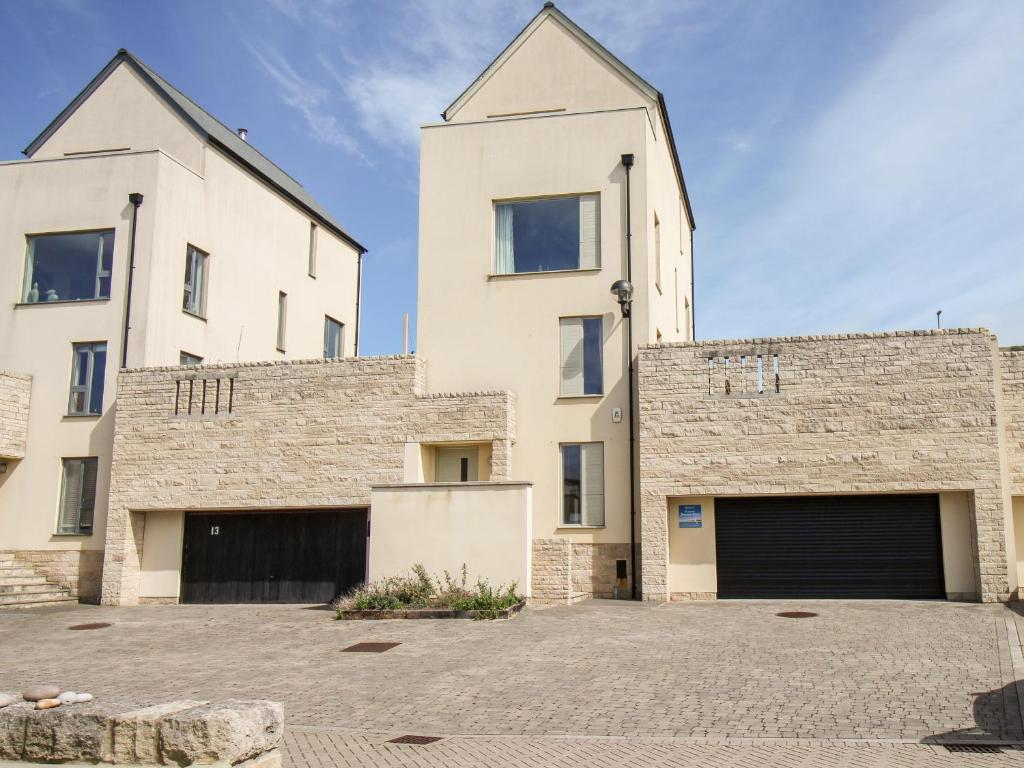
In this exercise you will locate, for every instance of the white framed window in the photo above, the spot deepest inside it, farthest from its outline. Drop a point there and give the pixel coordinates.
(334, 338)
(77, 496)
(312, 249)
(547, 235)
(88, 369)
(187, 358)
(581, 365)
(657, 253)
(282, 319)
(194, 301)
(583, 484)
(68, 266)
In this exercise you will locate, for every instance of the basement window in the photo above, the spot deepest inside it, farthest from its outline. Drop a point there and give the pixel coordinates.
(550, 235)
(77, 496)
(71, 266)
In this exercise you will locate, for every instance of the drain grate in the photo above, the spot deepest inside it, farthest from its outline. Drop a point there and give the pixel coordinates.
(410, 739)
(369, 647)
(94, 625)
(796, 614)
(975, 748)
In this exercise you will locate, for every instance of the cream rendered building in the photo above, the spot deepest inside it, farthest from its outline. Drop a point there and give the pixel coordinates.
(233, 261)
(503, 290)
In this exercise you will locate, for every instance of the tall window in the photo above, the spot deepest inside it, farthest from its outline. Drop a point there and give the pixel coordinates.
(282, 319)
(583, 484)
(657, 253)
(580, 371)
(77, 496)
(334, 338)
(194, 301)
(73, 266)
(557, 233)
(312, 249)
(88, 368)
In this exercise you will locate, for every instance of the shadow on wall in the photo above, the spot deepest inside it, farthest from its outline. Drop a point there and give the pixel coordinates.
(997, 717)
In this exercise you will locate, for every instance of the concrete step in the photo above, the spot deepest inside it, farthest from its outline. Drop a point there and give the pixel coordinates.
(44, 586)
(16, 570)
(33, 578)
(33, 601)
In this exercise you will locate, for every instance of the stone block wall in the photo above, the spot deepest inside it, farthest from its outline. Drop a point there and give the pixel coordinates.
(873, 413)
(291, 434)
(78, 571)
(1012, 361)
(15, 396)
(564, 571)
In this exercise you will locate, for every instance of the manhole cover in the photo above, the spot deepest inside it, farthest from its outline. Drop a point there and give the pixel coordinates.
(975, 748)
(369, 647)
(94, 625)
(796, 614)
(409, 739)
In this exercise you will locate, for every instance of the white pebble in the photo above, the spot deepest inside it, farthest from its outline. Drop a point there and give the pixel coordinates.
(68, 697)
(83, 697)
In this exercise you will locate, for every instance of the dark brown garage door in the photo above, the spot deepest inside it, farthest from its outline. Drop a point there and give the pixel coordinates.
(272, 557)
(829, 546)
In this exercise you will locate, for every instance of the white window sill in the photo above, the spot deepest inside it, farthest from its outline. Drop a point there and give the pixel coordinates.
(193, 314)
(62, 302)
(505, 276)
(581, 397)
(580, 526)
(68, 534)
(82, 415)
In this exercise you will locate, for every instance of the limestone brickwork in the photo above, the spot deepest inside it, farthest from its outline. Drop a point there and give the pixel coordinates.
(1012, 361)
(874, 413)
(567, 571)
(295, 434)
(15, 396)
(76, 570)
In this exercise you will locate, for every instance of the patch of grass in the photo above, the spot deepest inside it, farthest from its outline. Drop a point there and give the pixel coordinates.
(420, 590)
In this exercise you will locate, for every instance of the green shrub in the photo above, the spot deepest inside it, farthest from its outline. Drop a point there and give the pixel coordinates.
(421, 591)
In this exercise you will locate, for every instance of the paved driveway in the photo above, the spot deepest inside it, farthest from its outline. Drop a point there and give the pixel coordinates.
(717, 672)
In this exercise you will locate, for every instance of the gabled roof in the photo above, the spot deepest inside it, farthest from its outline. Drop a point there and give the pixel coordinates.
(550, 11)
(211, 130)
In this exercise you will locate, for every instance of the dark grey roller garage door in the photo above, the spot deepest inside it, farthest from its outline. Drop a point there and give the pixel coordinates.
(829, 546)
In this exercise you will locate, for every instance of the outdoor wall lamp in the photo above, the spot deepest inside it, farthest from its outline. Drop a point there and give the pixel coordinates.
(623, 292)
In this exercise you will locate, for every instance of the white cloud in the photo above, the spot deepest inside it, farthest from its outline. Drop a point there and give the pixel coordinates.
(902, 198)
(310, 99)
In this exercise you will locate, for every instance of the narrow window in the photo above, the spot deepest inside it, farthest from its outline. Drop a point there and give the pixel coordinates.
(312, 249)
(282, 318)
(77, 496)
(675, 292)
(560, 233)
(334, 338)
(194, 301)
(89, 362)
(583, 484)
(657, 253)
(187, 358)
(73, 266)
(581, 369)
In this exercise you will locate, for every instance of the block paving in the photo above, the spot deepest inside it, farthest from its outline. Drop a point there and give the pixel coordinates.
(598, 683)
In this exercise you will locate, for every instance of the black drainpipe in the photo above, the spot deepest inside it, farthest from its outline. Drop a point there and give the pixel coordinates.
(359, 294)
(627, 163)
(135, 198)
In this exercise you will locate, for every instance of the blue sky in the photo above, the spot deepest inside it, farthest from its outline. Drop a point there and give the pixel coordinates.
(853, 165)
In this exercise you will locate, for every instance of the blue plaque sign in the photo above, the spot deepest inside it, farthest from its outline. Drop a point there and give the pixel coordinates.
(689, 516)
